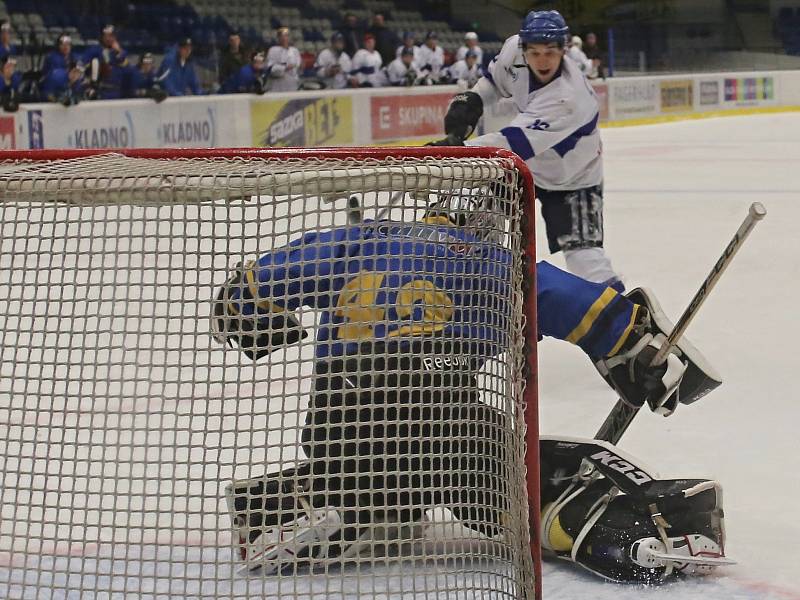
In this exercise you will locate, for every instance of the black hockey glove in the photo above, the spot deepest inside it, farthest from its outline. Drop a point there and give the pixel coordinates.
(462, 115)
(157, 94)
(450, 140)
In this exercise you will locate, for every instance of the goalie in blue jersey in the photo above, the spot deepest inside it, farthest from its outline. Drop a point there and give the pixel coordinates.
(395, 424)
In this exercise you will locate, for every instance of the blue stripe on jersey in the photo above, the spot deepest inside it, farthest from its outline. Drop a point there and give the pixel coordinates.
(569, 142)
(518, 142)
(488, 75)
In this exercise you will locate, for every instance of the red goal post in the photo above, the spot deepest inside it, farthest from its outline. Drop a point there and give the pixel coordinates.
(45, 167)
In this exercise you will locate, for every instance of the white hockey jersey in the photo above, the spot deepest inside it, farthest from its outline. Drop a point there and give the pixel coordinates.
(430, 61)
(397, 72)
(284, 65)
(366, 68)
(556, 130)
(327, 59)
(400, 50)
(460, 71)
(461, 53)
(584, 64)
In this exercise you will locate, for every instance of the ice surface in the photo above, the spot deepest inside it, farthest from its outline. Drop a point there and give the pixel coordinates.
(675, 193)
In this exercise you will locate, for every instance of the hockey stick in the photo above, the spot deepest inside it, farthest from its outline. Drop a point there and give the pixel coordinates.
(621, 416)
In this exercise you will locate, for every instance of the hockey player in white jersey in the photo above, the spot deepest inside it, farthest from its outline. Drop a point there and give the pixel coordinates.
(333, 64)
(575, 52)
(409, 42)
(430, 58)
(403, 71)
(283, 62)
(555, 132)
(465, 72)
(367, 63)
(470, 43)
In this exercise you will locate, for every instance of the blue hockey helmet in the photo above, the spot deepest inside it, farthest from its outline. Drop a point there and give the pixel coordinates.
(544, 27)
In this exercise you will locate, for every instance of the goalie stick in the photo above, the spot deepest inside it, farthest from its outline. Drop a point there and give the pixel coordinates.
(622, 415)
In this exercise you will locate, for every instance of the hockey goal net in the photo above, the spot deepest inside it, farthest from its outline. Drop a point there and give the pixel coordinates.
(127, 428)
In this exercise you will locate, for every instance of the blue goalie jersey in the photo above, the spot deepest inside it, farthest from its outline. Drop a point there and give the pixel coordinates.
(400, 281)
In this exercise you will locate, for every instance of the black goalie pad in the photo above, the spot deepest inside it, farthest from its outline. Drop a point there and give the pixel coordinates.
(601, 505)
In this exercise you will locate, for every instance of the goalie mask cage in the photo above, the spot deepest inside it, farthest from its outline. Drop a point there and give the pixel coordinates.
(123, 421)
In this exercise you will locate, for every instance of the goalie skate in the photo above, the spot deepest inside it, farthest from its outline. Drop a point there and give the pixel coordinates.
(285, 544)
(690, 554)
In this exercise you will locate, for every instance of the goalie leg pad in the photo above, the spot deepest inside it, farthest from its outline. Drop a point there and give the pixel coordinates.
(654, 530)
(282, 522)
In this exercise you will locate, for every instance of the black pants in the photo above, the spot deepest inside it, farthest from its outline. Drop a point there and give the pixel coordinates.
(573, 219)
(402, 430)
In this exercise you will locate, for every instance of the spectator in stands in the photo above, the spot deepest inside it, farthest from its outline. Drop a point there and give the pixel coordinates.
(283, 62)
(403, 70)
(430, 59)
(177, 74)
(233, 58)
(9, 84)
(367, 64)
(593, 53)
(410, 42)
(66, 86)
(144, 83)
(6, 47)
(333, 65)
(575, 52)
(386, 40)
(353, 34)
(61, 57)
(250, 79)
(470, 43)
(108, 66)
(465, 72)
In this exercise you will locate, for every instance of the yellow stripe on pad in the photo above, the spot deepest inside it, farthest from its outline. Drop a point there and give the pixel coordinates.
(591, 315)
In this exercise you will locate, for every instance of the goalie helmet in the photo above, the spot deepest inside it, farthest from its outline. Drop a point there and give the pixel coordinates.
(479, 212)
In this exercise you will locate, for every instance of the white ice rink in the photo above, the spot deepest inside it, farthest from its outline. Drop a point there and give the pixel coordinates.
(675, 193)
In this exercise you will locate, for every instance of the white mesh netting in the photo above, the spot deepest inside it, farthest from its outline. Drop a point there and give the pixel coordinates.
(126, 429)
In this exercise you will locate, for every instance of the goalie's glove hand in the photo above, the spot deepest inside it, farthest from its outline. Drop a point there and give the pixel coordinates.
(636, 380)
(238, 318)
(450, 140)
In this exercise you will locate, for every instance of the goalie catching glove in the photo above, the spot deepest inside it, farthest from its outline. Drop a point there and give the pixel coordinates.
(462, 117)
(257, 325)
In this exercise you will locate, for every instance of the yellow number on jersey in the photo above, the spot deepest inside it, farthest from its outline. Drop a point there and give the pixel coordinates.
(437, 308)
(356, 305)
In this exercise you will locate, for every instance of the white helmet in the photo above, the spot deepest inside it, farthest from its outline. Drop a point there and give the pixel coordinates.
(577, 41)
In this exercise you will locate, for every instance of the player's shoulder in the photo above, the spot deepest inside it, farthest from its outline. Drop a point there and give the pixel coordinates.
(511, 52)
